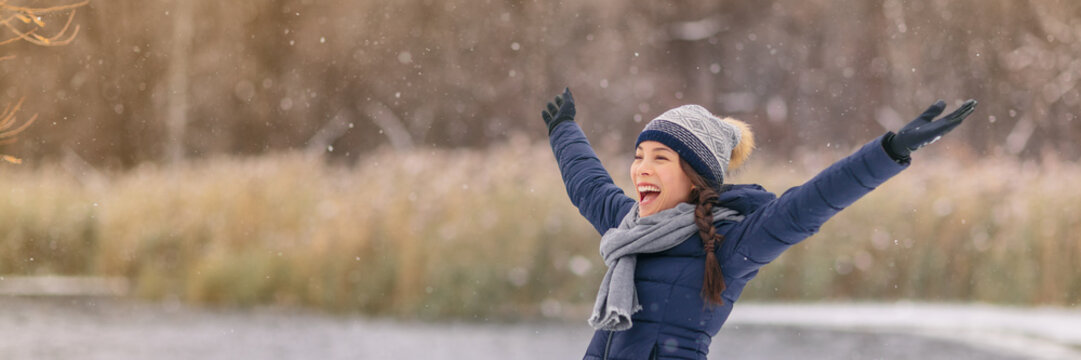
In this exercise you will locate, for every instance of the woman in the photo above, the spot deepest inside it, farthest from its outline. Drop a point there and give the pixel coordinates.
(679, 256)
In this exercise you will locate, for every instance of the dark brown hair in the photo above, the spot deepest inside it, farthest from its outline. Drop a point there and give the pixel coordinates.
(703, 197)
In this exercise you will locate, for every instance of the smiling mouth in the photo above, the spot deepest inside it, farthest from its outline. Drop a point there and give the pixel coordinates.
(648, 193)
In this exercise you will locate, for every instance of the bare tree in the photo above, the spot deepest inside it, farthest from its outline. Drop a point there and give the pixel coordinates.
(177, 112)
(9, 129)
(29, 24)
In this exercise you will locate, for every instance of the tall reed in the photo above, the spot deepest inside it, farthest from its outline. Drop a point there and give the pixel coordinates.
(979, 229)
(491, 233)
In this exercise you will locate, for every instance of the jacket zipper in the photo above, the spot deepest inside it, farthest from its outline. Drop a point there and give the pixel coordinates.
(608, 344)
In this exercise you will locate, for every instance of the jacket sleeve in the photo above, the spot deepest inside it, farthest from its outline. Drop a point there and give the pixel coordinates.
(588, 184)
(799, 212)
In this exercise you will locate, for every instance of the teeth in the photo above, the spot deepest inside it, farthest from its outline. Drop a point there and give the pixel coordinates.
(647, 188)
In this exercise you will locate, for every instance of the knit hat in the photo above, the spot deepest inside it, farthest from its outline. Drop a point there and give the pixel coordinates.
(710, 144)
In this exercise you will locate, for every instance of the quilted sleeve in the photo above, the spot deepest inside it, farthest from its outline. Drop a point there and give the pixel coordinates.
(588, 184)
(801, 211)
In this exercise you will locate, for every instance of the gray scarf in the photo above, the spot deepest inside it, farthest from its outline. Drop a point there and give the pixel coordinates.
(617, 298)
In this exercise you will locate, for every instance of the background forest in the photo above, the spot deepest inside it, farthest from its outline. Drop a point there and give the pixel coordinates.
(389, 156)
(154, 81)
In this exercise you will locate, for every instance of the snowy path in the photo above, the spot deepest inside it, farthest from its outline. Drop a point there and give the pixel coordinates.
(1042, 333)
(99, 328)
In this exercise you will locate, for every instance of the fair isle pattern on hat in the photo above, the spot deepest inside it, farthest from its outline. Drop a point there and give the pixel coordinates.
(699, 137)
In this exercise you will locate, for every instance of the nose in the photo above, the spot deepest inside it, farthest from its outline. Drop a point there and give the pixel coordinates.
(645, 168)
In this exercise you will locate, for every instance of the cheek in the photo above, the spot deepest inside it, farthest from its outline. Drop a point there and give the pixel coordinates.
(685, 195)
(680, 185)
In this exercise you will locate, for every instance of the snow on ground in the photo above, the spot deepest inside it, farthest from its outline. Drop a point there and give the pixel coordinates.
(1044, 333)
(109, 328)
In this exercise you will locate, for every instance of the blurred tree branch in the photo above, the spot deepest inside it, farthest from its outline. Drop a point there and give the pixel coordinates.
(29, 21)
(24, 23)
(9, 130)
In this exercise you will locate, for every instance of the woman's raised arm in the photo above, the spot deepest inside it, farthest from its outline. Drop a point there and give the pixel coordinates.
(589, 185)
(801, 210)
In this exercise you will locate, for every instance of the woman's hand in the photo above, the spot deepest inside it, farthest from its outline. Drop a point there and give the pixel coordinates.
(559, 110)
(922, 131)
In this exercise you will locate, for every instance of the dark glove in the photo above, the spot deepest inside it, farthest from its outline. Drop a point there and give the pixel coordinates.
(560, 110)
(922, 131)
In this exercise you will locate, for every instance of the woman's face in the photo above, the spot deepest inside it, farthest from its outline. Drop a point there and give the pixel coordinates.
(658, 178)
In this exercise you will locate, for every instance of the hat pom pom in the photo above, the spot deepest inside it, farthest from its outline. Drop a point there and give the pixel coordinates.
(741, 151)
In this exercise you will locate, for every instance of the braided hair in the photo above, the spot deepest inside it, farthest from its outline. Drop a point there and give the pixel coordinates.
(704, 197)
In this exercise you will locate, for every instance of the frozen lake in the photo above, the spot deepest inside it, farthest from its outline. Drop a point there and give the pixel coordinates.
(106, 328)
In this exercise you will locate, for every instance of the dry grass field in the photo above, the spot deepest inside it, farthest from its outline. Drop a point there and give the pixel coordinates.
(491, 233)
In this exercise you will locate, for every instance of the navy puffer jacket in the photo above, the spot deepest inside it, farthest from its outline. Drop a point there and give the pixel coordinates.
(674, 322)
